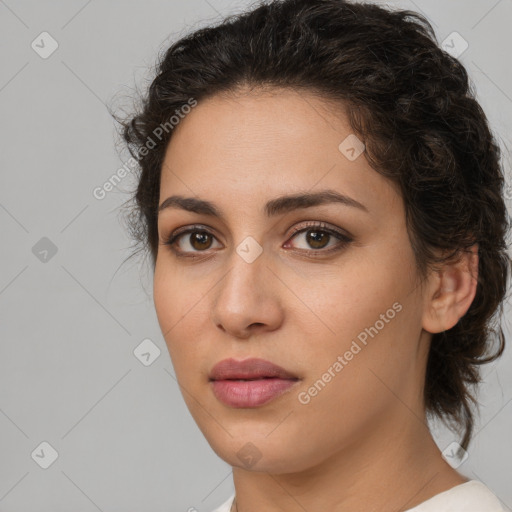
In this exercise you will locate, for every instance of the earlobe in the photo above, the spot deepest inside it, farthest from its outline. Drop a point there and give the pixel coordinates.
(451, 292)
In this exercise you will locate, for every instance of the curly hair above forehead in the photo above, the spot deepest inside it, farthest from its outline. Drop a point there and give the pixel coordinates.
(412, 105)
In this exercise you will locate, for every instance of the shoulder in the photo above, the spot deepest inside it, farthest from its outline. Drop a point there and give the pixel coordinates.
(226, 506)
(471, 496)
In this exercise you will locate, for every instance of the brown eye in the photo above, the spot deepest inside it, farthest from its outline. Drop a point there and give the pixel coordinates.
(190, 242)
(200, 241)
(317, 239)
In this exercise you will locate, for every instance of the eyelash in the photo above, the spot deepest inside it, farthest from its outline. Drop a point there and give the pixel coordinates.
(313, 226)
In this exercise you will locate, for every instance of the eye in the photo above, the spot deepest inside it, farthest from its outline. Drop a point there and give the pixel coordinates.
(317, 237)
(198, 240)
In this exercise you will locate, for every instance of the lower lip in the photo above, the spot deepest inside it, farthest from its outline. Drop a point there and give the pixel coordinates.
(250, 393)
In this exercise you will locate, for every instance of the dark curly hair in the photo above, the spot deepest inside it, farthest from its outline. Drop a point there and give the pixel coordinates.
(414, 108)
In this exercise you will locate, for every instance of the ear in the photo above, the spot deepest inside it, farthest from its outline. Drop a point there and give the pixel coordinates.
(451, 291)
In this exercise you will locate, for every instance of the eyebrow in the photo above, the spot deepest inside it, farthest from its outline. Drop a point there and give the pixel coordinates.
(274, 207)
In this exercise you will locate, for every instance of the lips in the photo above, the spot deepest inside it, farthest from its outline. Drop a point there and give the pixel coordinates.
(249, 383)
(248, 369)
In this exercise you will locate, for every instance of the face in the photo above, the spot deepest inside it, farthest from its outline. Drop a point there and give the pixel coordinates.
(326, 289)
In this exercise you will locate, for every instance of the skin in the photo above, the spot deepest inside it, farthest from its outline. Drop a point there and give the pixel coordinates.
(362, 442)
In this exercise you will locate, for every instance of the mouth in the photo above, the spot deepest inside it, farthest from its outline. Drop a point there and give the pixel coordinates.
(250, 393)
(248, 369)
(249, 383)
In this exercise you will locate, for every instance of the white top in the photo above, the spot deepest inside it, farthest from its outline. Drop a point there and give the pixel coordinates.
(471, 496)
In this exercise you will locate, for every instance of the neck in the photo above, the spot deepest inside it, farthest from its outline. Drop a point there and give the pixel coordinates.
(385, 469)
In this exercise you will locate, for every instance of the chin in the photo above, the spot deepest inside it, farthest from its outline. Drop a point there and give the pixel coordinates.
(261, 454)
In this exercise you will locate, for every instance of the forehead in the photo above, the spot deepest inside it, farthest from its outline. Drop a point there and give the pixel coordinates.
(267, 142)
(253, 118)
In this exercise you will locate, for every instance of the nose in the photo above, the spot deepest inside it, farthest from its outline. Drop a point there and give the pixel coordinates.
(247, 299)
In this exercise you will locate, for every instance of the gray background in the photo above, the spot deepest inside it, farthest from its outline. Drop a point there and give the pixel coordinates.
(70, 321)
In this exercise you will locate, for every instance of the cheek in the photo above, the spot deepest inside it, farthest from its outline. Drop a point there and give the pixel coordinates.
(353, 297)
(354, 374)
(164, 297)
(176, 295)
(171, 301)
(181, 304)
(374, 319)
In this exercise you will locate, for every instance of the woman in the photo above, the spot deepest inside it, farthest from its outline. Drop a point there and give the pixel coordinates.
(322, 200)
